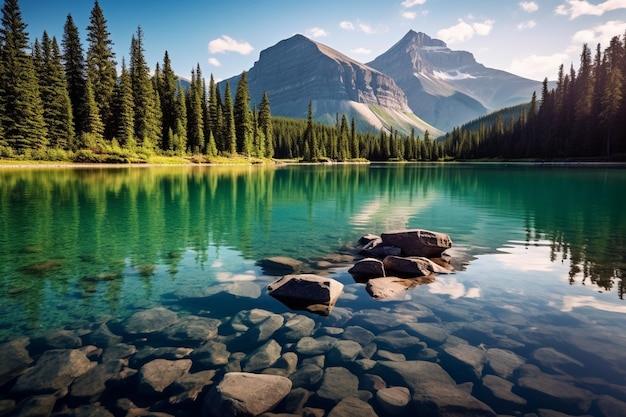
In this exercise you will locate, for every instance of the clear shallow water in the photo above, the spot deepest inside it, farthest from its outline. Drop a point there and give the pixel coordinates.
(542, 249)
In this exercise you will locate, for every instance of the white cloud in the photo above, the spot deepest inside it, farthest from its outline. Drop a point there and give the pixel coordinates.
(409, 15)
(317, 32)
(228, 44)
(529, 6)
(346, 25)
(361, 51)
(527, 25)
(367, 28)
(411, 3)
(601, 34)
(538, 67)
(577, 8)
(464, 31)
(215, 62)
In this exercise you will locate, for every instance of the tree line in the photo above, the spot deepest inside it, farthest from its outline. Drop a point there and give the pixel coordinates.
(582, 116)
(60, 102)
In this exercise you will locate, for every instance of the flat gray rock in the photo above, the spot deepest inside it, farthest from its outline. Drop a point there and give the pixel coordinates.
(398, 341)
(464, 361)
(437, 394)
(262, 357)
(338, 383)
(307, 376)
(103, 337)
(14, 359)
(503, 362)
(53, 373)
(418, 242)
(55, 339)
(431, 333)
(189, 331)
(394, 400)
(280, 265)
(297, 327)
(358, 334)
(309, 346)
(343, 351)
(211, 354)
(545, 391)
(89, 386)
(499, 393)
(554, 361)
(351, 407)
(34, 406)
(245, 394)
(157, 375)
(149, 321)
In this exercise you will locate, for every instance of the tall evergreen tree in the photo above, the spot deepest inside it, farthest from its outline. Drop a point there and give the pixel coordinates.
(243, 117)
(215, 119)
(344, 144)
(22, 110)
(74, 61)
(613, 91)
(230, 136)
(265, 125)
(57, 107)
(179, 137)
(101, 66)
(123, 110)
(146, 109)
(311, 148)
(195, 122)
(166, 85)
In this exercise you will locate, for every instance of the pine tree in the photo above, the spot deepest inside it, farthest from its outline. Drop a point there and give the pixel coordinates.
(230, 136)
(123, 110)
(166, 86)
(179, 138)
(354, 140)
(265, 125)
(311, 148)
(613, 91)
(344, 145)
(243, 118)
(215, 118)
(93, 129)
(195, 122)
(75, 74)
(101, 66)
(146, 109)
(57, 107)
(22, 117)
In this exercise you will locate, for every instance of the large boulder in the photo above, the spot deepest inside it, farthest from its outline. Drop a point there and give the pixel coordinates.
(244, 394)
(14, 359)
(418, 242)
(280, 265)
(367, 268)
(307, 291)
(393, 287)
(412, 266)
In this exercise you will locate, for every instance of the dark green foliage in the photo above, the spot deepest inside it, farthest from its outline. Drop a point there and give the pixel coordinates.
(265, 125)
(166, 82)
(123, 110)
(195, 120)
(243, 117)
(22, 120)
(57, 107)
(147, 113)
(229, 133)
(101, 67)
(74, 62)
(582, 117)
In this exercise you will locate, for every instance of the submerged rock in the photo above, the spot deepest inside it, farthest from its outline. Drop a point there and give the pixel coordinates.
(338, 383)
(14, 359)
(280, 265)
(149, 321)
(418, 242)
(307, 291)
(393, 287)
(157, 375)
(245, 394)
(352, 406)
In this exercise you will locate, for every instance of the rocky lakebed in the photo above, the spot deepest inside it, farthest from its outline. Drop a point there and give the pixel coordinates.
(314, 358)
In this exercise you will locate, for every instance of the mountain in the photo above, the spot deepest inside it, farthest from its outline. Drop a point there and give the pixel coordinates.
(447, 88)
(298, 70)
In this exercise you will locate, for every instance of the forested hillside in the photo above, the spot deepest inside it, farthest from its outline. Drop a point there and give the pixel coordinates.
(59, 102)
(584, 116)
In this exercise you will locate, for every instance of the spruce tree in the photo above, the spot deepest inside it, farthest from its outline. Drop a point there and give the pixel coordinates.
(243, 118)
(311, 149)
(146, 109)
(179, 139)
(123, 110)
(195, 125)
(230, 137)
(22, 117)
(57, 106)
(215, 119)
(101, 66)
(344, 145)
(265, 125)
(354, 140)
(166, 85)
(74, 62)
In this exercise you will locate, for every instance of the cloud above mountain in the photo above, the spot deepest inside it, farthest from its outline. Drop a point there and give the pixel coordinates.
(577, 8)
(464, 31)
(228, 44)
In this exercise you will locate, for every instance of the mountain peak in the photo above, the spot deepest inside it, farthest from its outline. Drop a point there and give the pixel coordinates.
(421, 39)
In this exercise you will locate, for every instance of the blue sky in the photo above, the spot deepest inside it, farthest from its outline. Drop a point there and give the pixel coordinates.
(528, 38)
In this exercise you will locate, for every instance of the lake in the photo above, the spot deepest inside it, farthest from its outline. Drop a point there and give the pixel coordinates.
(539, 253)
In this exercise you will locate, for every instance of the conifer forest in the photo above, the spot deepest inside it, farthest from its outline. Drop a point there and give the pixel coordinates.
(61, 100)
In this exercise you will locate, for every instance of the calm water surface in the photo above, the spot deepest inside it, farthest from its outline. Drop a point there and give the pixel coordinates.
(542, 249)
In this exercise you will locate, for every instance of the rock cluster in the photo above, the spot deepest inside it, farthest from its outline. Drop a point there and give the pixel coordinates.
(256, 362)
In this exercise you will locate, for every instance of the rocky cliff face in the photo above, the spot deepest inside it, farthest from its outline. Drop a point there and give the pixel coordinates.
(447, 88)
(298, 70)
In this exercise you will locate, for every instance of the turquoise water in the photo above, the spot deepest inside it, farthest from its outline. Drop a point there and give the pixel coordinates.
(542, 243)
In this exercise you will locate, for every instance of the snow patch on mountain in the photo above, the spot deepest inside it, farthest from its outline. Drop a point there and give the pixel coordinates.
(452, 75)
